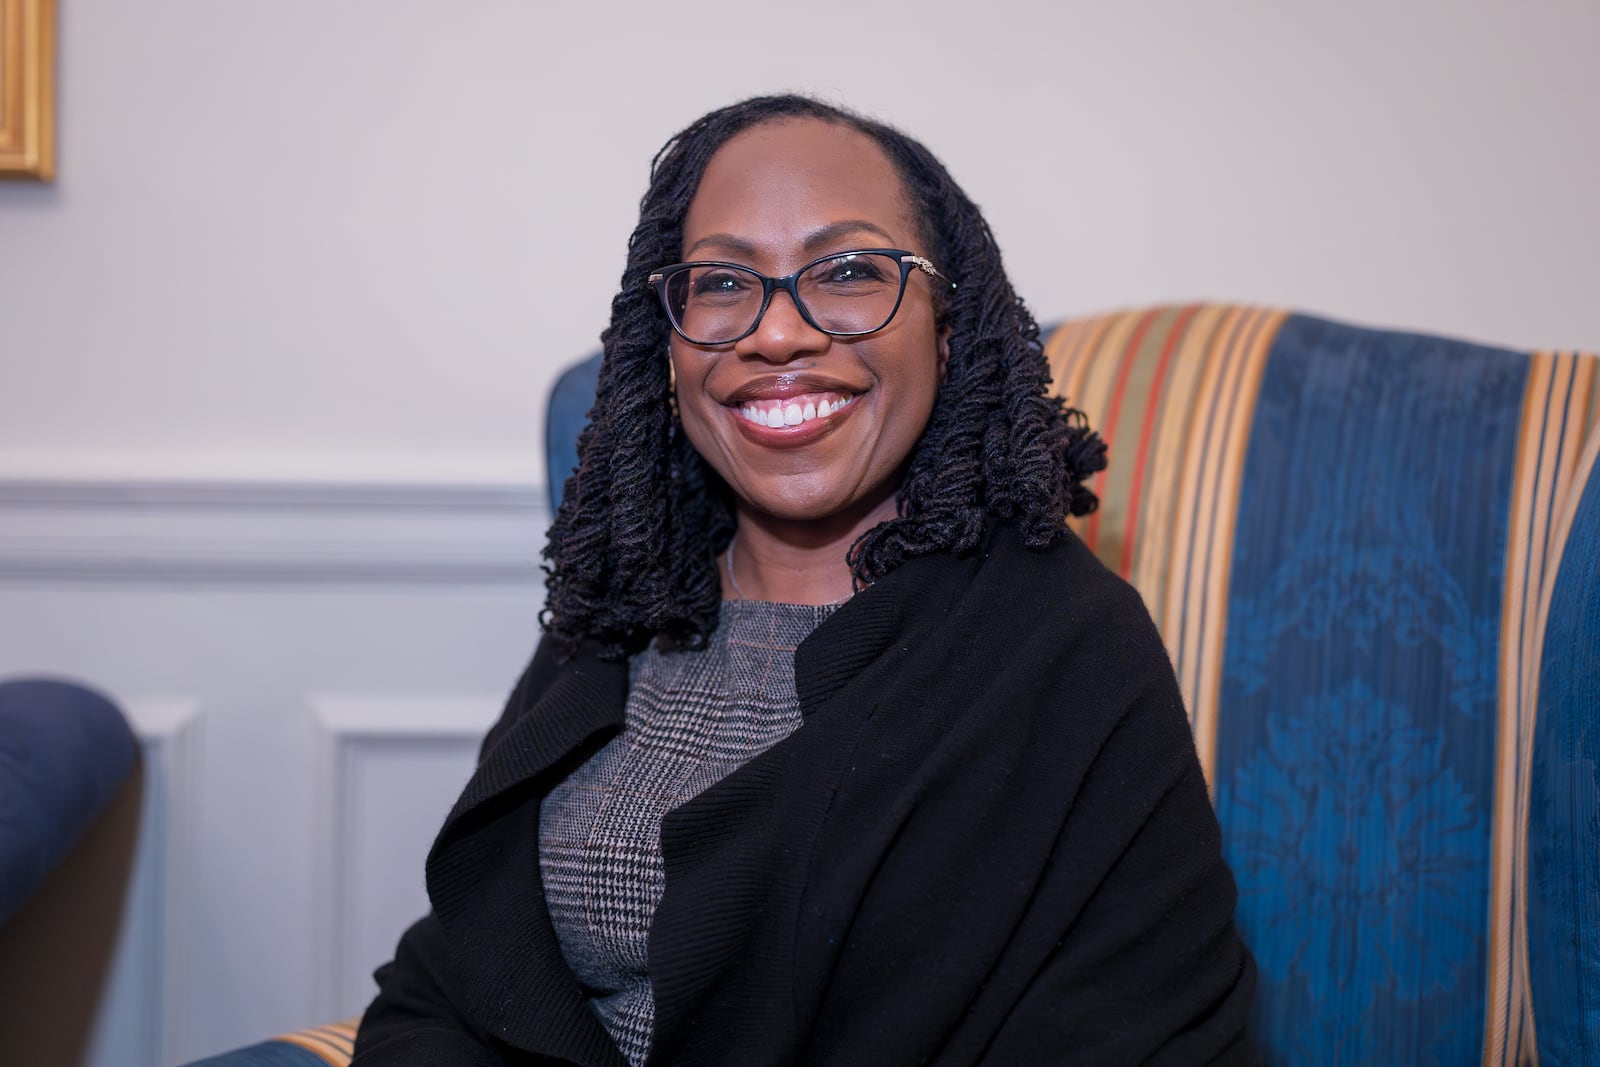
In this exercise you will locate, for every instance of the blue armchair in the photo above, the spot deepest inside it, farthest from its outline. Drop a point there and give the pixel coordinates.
(1374, 557)
(69, 810)
(1375, 560)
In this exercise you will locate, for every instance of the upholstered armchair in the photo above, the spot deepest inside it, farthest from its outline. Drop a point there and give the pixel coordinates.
(1374, 558)
(69, 816)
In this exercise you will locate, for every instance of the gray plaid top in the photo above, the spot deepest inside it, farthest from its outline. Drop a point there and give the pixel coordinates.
(692, 719)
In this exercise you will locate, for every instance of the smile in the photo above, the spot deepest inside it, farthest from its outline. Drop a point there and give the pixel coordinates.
(794, 410)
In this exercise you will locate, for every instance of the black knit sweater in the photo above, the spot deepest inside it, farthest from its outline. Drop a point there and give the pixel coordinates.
(989, 842)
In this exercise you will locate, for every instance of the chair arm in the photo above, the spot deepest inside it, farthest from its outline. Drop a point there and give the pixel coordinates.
(319, 1046)
(64, 752)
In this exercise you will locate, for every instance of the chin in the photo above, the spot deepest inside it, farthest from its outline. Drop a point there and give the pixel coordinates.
(823, 505)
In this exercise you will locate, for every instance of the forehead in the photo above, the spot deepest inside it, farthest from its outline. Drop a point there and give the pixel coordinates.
(773, 185)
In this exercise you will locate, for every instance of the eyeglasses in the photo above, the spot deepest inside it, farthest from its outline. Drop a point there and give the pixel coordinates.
(845, 295)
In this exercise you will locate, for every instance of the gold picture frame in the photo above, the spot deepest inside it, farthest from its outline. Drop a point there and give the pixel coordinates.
(27, 89)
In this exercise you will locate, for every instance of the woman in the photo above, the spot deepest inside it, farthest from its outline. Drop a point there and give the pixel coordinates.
(838, 748)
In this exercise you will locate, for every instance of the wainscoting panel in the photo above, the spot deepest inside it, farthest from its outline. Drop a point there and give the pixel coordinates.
(140, 1017)
(310, 669)
(391, 768)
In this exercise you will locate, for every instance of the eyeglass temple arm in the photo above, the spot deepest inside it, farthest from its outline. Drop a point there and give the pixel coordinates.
(926, 266)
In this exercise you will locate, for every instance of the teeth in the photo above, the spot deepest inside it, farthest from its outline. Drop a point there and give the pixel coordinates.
(791, 413)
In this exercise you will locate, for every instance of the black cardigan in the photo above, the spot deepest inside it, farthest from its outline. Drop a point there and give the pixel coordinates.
(989, 842)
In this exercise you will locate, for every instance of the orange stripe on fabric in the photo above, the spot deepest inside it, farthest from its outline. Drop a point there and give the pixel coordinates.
(1113, 417)
(1565, 463)
(342, 1035)
(1163, 506)
(1066, 352)
(1132, 533)
(1558, 460)
(1550, 448)
(326, 1050)
(334, 1043)
(1182, 611)
(1228, 476)
(1099, 376)
(1531, 431)
(1137, 371)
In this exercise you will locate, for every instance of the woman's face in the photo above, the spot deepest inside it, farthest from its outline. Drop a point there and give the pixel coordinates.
(776, 197)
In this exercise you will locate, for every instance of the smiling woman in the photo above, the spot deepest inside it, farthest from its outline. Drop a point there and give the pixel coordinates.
(838, 746)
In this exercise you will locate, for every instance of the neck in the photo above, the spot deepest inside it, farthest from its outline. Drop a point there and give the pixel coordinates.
(794, 563)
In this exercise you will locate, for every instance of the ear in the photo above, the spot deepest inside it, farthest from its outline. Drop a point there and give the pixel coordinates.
(944, 351)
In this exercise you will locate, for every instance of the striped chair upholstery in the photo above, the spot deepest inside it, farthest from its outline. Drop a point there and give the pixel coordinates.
(1374, 558)
(320, 1046)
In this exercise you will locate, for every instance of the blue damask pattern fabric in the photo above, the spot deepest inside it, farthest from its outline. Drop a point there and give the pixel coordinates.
(1356, 741)
(1564, 814)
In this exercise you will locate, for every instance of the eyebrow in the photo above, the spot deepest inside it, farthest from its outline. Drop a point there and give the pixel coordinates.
(817, 238)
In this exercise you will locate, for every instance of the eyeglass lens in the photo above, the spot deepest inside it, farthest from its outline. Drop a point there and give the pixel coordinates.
(854, 293)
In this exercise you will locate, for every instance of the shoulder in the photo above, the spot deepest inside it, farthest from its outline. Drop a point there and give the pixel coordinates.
(1013, 627)
(1061, 591)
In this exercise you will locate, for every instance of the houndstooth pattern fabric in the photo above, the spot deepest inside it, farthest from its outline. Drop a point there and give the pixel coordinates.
(692, 719)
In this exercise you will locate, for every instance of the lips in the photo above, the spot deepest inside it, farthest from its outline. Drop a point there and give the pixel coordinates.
(792, 402)
(794, 410)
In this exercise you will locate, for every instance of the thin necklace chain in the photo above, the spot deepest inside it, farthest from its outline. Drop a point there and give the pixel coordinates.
(734, 578)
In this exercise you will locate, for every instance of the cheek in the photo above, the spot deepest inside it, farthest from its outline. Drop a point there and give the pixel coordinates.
(695, 409)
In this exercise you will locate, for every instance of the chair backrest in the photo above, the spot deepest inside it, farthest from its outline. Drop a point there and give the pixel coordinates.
(1367, 555)
(1374, 558)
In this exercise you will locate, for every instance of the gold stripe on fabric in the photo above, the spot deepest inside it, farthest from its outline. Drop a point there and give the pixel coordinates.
(341, 1035)
(1065, 354)
(1181, 614)
(1224, 509)
(1161, 505)
(334, 1043)
(1133, 384)
(325, 1050)
(1097, 378)
(1571, 442)
(1549, 445)
(1532, 466)
(1530, 432)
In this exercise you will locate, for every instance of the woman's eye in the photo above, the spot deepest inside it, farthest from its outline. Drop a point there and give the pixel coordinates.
(720, 282)
(853, 270)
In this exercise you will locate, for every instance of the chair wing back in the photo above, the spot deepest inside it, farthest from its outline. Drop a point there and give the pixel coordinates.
(1373, 558)
(566, 414)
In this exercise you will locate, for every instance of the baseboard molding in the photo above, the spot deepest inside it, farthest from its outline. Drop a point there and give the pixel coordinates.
(243, 531)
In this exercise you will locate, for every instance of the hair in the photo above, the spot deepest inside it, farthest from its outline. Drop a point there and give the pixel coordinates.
(633, 548)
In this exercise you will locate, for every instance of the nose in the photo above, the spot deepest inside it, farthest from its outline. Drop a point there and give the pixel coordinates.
(783, 334)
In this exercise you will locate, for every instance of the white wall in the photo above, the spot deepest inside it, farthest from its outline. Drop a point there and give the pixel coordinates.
(357, 240)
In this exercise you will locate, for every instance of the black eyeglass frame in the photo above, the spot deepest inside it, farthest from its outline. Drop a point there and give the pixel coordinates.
(908, 261)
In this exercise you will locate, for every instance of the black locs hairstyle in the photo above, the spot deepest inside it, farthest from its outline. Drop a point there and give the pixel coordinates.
(632, 552)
